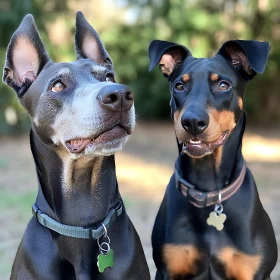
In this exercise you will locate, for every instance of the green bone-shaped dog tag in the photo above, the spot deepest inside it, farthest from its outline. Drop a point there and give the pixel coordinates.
(104, 261)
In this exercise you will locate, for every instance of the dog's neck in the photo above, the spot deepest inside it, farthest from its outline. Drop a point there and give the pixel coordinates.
(215, 171)
(77, 192)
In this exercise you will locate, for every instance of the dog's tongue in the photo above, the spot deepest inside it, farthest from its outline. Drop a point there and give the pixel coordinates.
(78, 145)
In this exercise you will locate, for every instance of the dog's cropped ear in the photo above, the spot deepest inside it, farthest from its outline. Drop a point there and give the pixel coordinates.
(88, 43)
(25, 58)
(167, 54)
(247, 57)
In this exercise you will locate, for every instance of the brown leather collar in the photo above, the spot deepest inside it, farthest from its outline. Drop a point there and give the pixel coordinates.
(204, 199)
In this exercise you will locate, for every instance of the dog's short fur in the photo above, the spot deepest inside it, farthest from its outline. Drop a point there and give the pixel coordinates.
(80, 117)
(207, 109)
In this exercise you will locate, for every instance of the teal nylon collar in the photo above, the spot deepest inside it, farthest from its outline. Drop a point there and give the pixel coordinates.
(77, 232)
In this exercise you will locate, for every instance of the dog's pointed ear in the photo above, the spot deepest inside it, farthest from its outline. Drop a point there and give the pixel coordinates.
(25, 58)
(247, 57)
(88, 43)
(167, 54)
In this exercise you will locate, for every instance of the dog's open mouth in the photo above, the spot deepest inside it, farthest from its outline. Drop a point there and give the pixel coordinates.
(198, 148)
(78, 145)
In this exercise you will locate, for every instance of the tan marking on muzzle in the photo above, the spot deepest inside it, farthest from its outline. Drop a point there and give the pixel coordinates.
(239, 265)
(219, 122)
(240, 103)
(180, 259)
(186, 77)
(179, 130)
(214, 77)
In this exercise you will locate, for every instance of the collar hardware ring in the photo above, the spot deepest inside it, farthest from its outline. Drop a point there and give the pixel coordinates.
(105, 230)
(104, 248)
(219, 208)
(104, 244)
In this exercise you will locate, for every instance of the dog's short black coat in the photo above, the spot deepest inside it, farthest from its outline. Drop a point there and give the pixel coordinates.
(207, 109)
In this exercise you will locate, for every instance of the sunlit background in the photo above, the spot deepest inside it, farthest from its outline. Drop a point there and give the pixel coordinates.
(146, 164)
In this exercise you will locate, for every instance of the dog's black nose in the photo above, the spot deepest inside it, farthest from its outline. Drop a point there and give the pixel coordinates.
(116, 97)
(195, 122)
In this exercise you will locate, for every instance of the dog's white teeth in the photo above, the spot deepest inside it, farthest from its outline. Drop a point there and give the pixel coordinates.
(195, 142)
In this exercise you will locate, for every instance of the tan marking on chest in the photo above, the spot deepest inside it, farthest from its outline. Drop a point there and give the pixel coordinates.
(180, 259)
(185, 78)
(214, 77)
(238, 265)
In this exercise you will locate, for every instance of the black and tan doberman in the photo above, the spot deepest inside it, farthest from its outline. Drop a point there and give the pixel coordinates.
(80, 117)
(211, 223)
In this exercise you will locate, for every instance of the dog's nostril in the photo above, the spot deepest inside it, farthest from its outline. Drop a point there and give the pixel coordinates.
(116, 98)
(113, 98)
(201, 124)
(129, 95)
(188, 124)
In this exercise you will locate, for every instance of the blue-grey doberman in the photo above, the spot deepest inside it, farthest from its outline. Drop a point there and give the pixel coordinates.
(80, 117)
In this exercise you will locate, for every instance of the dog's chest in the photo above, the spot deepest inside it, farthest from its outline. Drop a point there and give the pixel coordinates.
(213, 255)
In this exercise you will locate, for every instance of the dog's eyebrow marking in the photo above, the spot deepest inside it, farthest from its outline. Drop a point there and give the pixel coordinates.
(64, 72)
(186, 77)
(214, 77)
(98, 69)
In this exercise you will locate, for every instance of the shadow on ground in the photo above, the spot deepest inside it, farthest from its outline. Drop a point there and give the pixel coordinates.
(143, 170)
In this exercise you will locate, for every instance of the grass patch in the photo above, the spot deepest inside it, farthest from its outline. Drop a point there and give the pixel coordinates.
(19, 202)
(131, 202)
(4, 163)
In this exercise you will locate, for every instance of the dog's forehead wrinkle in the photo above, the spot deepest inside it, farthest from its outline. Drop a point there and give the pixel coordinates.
(206, 65)
(56, 69)
(87, 63)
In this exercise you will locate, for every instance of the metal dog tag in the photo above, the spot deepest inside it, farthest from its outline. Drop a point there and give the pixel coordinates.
(106, 257)
(105, 261)
(216, 220)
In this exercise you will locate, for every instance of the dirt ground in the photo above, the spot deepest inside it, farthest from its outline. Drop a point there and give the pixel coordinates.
(143, 170)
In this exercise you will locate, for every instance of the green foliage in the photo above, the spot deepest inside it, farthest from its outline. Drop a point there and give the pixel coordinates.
(11, 14)
(200, 25)
(20, 201)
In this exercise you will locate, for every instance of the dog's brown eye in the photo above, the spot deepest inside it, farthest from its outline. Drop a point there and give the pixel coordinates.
(224, 86)
(58, 86)
(179, 86)
(110, 78)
